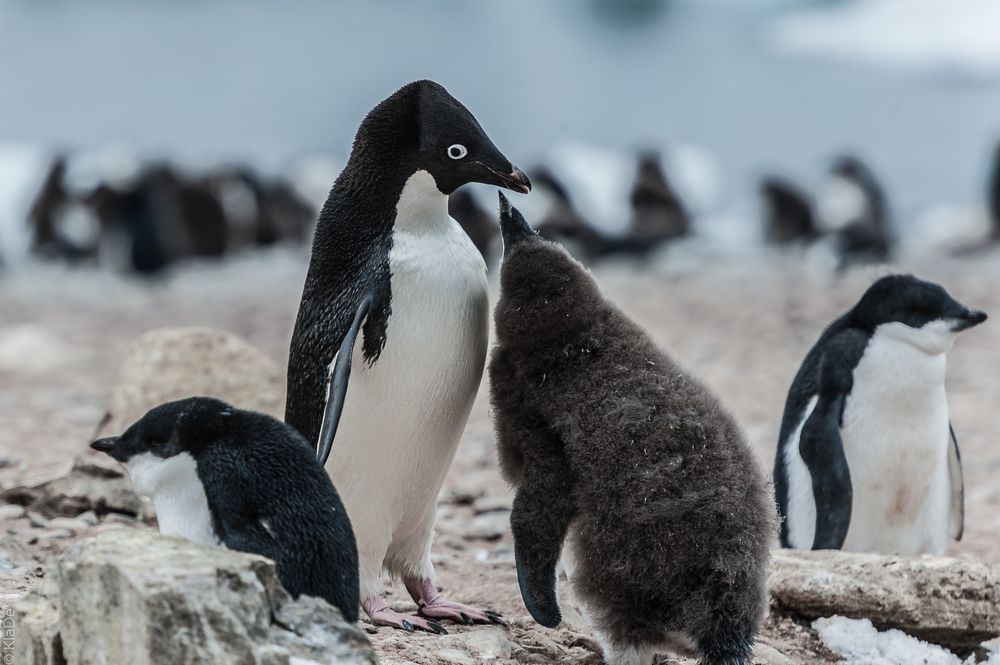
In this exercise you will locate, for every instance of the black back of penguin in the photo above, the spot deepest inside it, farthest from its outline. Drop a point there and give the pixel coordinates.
(415, 128)
(828, 375)
(266, 492)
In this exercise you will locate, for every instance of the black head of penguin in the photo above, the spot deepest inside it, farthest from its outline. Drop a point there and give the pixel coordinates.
(184, 426)
(424, 128)
(555, 292)
(913, 302)
(265, 491)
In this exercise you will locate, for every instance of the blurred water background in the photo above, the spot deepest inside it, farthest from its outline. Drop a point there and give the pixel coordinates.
(736, 88)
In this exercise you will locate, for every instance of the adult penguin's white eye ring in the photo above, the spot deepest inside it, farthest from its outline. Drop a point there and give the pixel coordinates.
(457, 151)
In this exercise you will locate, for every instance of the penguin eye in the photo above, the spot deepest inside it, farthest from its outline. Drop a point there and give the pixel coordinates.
(457, 151)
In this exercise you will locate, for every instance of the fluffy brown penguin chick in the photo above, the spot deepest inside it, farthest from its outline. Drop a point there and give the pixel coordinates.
(628, 461)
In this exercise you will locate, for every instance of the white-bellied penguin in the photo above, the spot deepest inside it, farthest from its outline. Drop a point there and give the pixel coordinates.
(397, 290)
(867, 459)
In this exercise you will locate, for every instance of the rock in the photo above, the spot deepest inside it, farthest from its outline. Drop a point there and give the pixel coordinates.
(52, 534)
(765, 654)
(36, 520)
(133, 596)
(492, 504)
(11, 511)
(490, 526)
(89, 518)
(455, 656)
(167, 364)
(947, 601)
(92, 484)
(73, 524)
(488, 644)
(36, 620)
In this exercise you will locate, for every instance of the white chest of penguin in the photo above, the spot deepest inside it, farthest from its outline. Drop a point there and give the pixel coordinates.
(896, 436)
(403, 416)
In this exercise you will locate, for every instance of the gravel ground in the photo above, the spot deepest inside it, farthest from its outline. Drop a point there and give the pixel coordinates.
(742, 323)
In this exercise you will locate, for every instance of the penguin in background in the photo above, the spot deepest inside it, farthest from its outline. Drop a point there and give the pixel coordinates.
(221, 476)
(853, 207)
(62, 226)
(657, 212)
(867, 459)
(627, 469)
(787, 212)
(993, 195)
(562, 222)
(398, 291)
(474, 220)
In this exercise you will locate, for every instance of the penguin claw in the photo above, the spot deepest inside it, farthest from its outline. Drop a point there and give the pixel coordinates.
(388, 617)
(464, 614)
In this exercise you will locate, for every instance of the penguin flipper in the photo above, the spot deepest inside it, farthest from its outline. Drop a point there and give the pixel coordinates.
(822, 450)
(956, 516)
(340, 374)
(539, 520)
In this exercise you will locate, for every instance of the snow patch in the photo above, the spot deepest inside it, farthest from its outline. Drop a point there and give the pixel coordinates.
(860, 643)
(923, 36)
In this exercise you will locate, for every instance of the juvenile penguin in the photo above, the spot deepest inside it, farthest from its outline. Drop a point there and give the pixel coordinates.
(867, 460)
(625, 465)
(389, 263)
(221, 476)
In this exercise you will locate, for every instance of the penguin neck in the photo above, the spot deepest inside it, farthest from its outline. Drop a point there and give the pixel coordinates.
(422, 208)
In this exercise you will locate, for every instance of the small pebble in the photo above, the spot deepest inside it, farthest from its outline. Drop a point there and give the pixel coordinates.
(118, 518)
(89, 518)
(492, 504)
(36, 520)
(53, 534)
(455, 656)
(73, 524)
(489, 526)
(11, 511)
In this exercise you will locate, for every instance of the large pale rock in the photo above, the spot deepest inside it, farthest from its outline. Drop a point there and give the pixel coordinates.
(167, 364)
(948, 601)
(135, 597)
(36, 625)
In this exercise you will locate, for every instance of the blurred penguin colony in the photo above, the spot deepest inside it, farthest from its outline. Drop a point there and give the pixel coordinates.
(144, 217)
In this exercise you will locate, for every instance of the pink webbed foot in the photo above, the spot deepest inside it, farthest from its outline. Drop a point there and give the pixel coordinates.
(432, 604)
(382, 615)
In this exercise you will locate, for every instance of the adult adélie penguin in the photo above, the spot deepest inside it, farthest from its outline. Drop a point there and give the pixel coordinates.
(867, 459)
(398, 292)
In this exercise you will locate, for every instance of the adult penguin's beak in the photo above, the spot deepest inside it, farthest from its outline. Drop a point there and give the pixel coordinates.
(513, 179)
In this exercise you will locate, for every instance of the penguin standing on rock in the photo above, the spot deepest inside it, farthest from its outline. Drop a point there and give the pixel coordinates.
(219, 475)
(626, 467)
(398, 291)
(867, 459)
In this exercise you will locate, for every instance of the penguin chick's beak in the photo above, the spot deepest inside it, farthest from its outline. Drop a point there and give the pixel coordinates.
(513, 226)
(972, 317)
(515, 180)
(105, 445)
